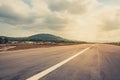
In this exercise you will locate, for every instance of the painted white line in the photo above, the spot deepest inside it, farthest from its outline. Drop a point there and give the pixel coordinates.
(47, 71)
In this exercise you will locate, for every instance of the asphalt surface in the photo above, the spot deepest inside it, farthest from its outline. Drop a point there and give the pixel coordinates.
(100, 62)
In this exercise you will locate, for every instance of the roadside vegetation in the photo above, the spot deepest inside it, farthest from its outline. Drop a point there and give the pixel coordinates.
(114, 43)
(3, 40)
(39, 38)
(34, 41)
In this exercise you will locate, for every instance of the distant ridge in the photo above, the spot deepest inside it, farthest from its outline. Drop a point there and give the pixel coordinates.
(38, 38)
(46, 37)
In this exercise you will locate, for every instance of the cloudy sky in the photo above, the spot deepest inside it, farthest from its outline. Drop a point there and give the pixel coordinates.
(87, 20)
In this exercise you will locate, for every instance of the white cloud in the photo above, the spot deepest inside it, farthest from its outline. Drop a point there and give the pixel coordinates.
(14, 12)
(71, 6)
(76, 19)
(109, 17)
(17, 7)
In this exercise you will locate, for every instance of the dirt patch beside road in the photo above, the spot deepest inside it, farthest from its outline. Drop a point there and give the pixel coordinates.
(28, 46)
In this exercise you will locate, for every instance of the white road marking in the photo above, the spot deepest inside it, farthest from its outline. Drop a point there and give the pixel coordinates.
(47, 71)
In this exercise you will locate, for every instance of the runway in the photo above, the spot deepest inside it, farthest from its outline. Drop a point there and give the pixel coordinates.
(99, 62)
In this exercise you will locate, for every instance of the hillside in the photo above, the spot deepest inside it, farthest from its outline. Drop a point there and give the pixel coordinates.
(46, 37)
(38, 38)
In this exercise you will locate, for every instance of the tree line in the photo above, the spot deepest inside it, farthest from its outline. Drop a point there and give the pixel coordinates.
(3, 40)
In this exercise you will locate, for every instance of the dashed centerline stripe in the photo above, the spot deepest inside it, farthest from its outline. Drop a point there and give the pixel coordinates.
(47, 71)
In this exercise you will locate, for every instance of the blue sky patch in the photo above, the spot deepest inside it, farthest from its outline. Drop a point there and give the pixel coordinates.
(28, 2)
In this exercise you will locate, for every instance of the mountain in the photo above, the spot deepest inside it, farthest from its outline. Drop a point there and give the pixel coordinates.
(3, 39)
(37, 38)
(46, 37)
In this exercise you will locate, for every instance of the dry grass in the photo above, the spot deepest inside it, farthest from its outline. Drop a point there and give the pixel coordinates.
(5, 47)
